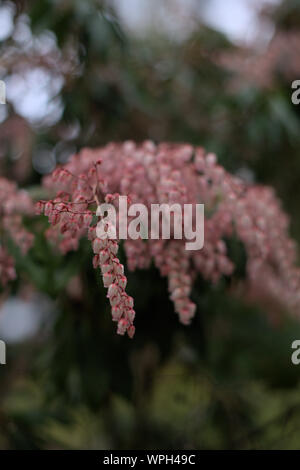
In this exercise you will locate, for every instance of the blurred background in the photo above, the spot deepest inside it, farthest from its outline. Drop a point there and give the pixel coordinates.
(83, 73)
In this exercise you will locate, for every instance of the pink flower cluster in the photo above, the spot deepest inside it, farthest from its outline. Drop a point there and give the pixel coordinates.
(14, 204)
(173, 173)
(71, 214)
(272, 255)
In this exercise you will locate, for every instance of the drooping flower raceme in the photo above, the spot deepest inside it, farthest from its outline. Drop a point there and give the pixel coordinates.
(113, 278)
(14, 204)
(172, 174)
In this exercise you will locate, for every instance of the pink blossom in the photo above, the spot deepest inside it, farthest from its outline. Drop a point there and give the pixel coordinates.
(14, 204)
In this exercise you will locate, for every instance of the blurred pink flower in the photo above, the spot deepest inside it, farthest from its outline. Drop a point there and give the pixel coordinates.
(14, 204)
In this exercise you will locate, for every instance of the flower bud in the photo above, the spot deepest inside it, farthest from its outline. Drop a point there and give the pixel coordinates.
(96, 261)
(107, 279)
(39, 207)
(112, 290)
(131, 331)
(122, 326)
(106, 268)
(48, 208)
(104, 256)
(97, 245)
(116, 313)
(122, 281)
(130, 315)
